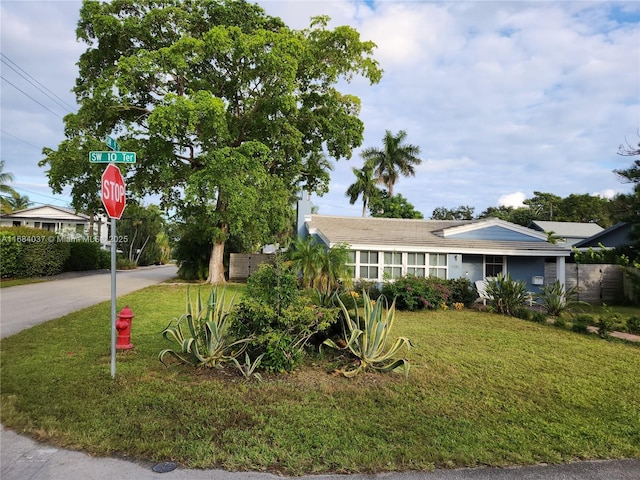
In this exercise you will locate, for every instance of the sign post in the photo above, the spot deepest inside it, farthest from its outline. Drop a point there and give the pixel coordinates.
(114, 200)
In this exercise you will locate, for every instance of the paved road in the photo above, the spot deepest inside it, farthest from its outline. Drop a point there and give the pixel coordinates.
(23, 459)
(24, 306)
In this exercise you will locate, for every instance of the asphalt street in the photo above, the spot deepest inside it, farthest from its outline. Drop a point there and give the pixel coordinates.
(22, 458)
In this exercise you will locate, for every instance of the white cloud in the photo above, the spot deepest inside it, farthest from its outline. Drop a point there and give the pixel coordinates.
(512, 200)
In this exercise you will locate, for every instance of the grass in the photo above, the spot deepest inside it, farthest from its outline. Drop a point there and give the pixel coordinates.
(483, 390)
(12, 282)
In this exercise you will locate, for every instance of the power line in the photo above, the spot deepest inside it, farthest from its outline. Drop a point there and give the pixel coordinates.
(19, 139)
(25, 93)
(39, 86)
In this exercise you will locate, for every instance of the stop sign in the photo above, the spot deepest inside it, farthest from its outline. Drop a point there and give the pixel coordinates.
(113, 191)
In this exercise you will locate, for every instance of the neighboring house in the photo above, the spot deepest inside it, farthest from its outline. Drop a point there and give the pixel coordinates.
(613, 237)
(567, 233)
(383, 248)
(53, 219)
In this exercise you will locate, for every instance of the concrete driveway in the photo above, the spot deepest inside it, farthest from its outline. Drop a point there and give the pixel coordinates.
(24, 306)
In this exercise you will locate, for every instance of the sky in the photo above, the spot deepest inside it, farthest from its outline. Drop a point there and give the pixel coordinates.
(503, 98)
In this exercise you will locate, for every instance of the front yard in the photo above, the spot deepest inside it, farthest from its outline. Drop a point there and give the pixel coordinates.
(483, 389)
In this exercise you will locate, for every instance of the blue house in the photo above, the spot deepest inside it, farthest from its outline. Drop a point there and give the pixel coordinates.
(384, 249)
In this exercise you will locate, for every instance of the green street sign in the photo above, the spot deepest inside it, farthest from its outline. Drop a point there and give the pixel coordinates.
(112, 157)
(111, 143)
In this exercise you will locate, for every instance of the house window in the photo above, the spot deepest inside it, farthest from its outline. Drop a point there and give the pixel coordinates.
(392, 264)
(351, 263)
(36, 224)
(416, 264)
(369, 265)
(438, 265)
(493, 265)
(16, 223)
(79, 227)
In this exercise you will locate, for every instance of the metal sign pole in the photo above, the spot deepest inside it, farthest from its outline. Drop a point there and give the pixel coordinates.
(113, 297)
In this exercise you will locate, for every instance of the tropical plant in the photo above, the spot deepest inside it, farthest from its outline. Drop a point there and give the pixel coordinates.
(366, 337)
(248, 368)
(6, 191)
(306, 256)
(505, 294)
(394, 159)
(556, 299)
(206, 340)
(365, 186)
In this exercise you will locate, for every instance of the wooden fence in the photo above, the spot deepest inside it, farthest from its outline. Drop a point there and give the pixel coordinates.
(241, 265)
(596, 283)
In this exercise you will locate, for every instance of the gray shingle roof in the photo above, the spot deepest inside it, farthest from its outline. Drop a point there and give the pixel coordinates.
(419, 234)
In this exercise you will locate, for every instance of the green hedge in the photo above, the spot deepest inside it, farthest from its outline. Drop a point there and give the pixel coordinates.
(32, 252)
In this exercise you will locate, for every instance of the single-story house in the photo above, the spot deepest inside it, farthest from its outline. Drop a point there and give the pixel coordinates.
(55, 219)
(567, 233)
(384, 248)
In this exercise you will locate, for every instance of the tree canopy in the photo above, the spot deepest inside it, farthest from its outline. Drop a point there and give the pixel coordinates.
(227, 108)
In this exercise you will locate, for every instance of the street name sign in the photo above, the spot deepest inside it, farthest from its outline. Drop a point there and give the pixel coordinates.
(112, 157)
(114, 196)
(111, 143)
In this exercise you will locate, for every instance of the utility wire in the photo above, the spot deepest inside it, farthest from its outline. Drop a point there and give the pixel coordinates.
(25, 93)
(19, 139)
(29, 78)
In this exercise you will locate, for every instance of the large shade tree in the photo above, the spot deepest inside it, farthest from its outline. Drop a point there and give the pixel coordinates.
(226, 108)
(394, 159)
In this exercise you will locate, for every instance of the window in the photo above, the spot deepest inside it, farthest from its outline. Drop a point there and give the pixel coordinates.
(392, 264)
(351, 263)
(416, 264)
(79, 227)
(36, 224)
(438, 265)
(369, 265)
(493, 265)
(51, 227)
(16, 223)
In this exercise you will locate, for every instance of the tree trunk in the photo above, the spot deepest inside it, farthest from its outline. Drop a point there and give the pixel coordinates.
(216, 265)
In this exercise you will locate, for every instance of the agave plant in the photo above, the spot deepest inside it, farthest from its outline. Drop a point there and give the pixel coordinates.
(555, 299)
(366, 337)
(202, 333)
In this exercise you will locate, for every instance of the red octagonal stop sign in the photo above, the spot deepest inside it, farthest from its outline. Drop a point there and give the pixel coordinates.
(113, 191)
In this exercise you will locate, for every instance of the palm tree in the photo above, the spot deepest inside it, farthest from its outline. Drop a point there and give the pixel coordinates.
(6, 190)
(15, 202)
(365, 185)
(306, 255)
(397, 158)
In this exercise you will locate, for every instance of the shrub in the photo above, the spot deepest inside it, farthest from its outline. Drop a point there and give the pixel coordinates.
(279, 320)
(523, 312)
(505, 294)
(86, 256)
(39, 253)
(538, 317)
(417, 293)
(633, 324)
(462, 291)
(581, 323)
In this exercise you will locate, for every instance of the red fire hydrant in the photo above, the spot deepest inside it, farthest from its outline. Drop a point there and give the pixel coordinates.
(123, 325)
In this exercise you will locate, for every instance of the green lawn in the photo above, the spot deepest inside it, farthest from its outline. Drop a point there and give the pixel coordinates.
(483, 390)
